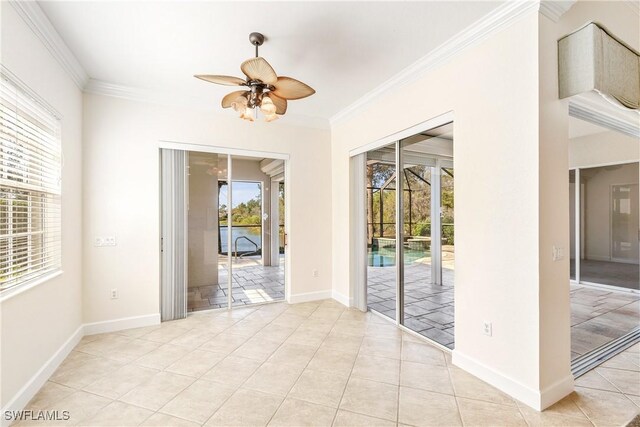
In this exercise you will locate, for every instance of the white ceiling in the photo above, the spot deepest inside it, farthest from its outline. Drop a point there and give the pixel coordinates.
(341, 49)
(578, 128)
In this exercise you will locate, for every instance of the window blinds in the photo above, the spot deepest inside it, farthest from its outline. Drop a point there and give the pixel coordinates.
(30, 167)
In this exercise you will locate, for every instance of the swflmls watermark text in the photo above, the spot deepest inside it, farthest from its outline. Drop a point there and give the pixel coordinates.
(29, 415)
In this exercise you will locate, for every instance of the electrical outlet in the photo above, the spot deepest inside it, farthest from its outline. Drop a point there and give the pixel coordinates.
(557, 253)
(488, 329)
(114, 293)
(98, 241)
(110, 241)
(314, 273)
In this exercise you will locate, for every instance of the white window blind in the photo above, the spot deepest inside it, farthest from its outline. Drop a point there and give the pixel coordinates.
(30, 167)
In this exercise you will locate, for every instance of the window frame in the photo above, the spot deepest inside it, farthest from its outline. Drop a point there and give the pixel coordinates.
(23, 284)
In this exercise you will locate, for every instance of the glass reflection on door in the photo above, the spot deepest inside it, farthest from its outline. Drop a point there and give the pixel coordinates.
(624, 222)
(381, 230)
(609, 248)
(428, 240)
(257, 264)
(207, 264)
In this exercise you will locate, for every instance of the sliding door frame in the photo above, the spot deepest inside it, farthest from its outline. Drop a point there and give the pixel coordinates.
(578, 207)
(230, 152)
(358, 244)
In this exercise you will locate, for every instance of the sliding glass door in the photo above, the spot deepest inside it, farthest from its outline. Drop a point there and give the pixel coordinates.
(607, 250)
(234, 225)
(428, 300)
(381, 230)
(410, 239)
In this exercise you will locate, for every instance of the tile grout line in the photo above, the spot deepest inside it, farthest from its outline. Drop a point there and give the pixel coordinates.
(347, 383)
(581, 410)
(400, 380)
(187, 330)
(261, 363)
(302, 371)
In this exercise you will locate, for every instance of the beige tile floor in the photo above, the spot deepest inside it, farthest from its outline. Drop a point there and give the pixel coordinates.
(305, 364)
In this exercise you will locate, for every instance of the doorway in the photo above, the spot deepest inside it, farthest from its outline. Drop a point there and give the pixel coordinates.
(235, 240)
(410, 256)
(604, 247)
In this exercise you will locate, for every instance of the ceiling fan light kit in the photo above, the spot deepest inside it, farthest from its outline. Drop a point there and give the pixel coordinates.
(265, 89)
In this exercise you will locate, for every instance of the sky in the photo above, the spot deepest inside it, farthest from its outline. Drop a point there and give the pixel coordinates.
(242, 192)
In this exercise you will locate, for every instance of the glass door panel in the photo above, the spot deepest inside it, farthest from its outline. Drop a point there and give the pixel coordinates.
(381, 230)
(609, 253)
(428, 240)
(257, 267)
(207, 263)
(572, 224)
(624, 223)
(417, 245)
(427, 286)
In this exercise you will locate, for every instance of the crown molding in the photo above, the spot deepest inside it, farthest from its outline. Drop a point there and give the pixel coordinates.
(39, 23)
(593, 108)
(495, 21)
(554, 9)
(99, 87)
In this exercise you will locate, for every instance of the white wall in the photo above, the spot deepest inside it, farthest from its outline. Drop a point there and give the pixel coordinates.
(36, 323)
(121, 196)
(497, 172)
(603, 148)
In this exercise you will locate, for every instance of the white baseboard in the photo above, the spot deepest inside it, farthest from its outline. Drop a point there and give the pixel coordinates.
(342, 299)
(537, 399)
(26, 393)
(120, 324)
(556, 391)
(309, 296)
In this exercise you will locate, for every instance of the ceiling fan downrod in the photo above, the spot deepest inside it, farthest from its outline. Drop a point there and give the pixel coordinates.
(256, 39)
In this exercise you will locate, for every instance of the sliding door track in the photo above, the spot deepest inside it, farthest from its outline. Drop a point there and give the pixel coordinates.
(588, 361)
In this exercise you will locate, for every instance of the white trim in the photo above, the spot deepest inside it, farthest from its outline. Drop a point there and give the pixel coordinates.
(432, 123)
(204, 148)
(490, 24)
(30, 284)
(556, 391)
(165, 97)
(577, 223)
(33, 385)
(122, 323)
(342, 299)
(287, 229)
(37, 20)
(309, 296)
(358, 233)
(554, 9)
(603, 287)
(537, 399)
(592, 108)
(600, 165)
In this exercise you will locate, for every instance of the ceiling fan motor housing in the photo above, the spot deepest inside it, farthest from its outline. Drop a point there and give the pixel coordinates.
(256, 39)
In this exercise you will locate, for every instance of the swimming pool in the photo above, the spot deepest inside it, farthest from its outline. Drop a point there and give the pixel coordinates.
(386, 257)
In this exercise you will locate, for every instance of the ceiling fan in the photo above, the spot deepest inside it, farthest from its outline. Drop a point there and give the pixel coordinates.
(264, 89)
